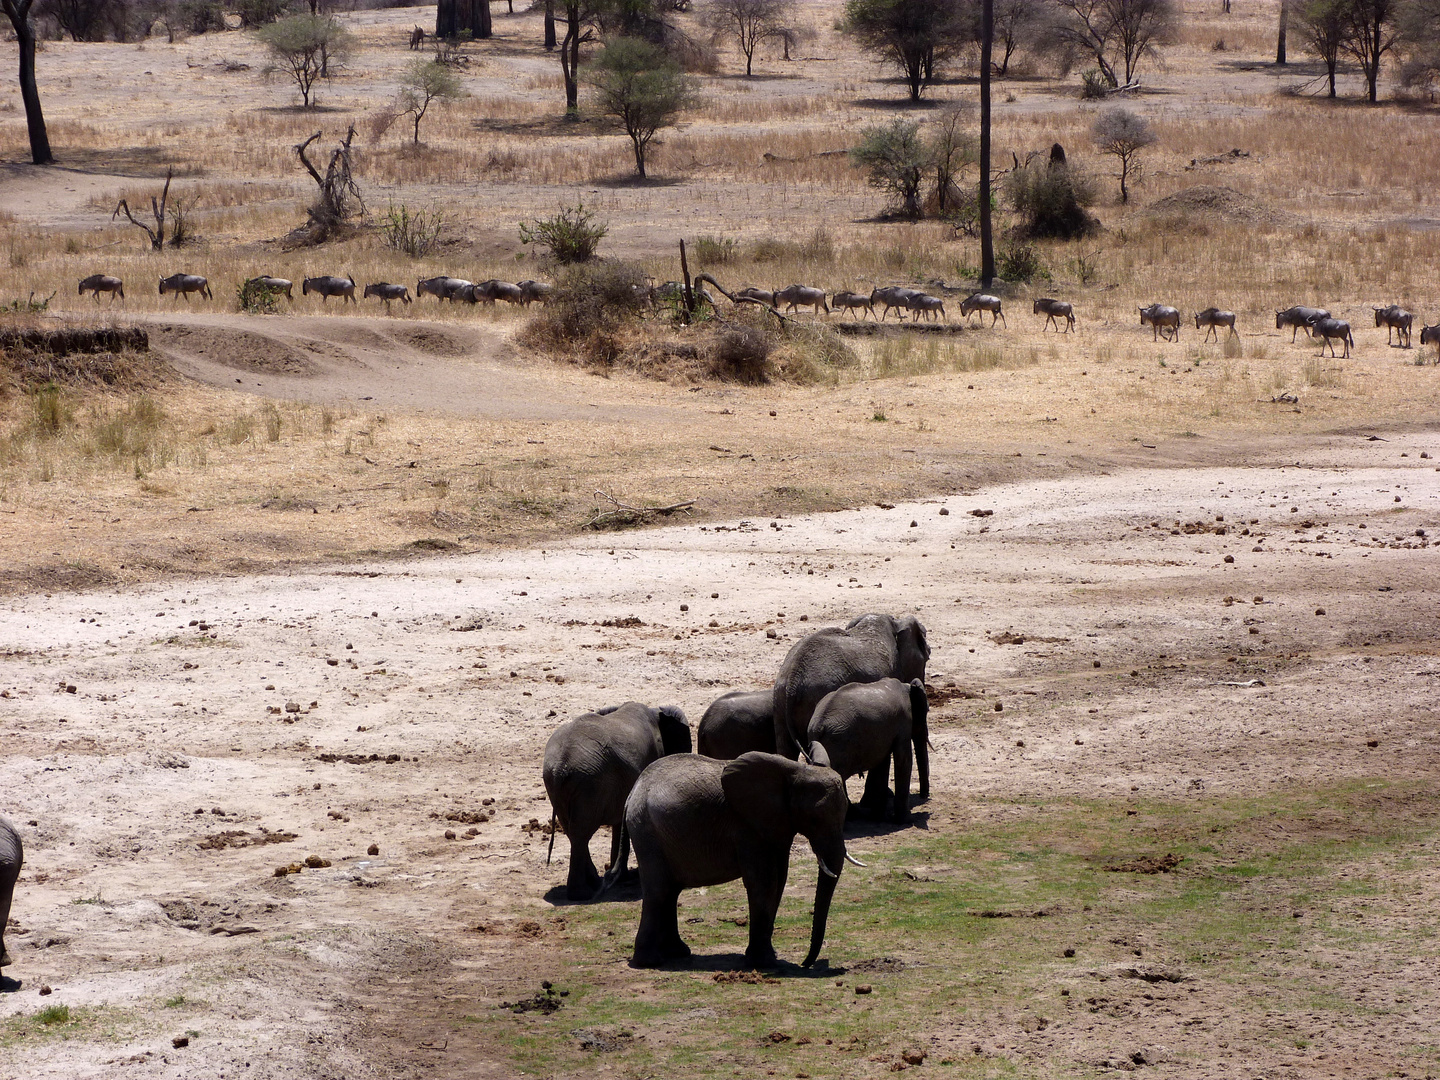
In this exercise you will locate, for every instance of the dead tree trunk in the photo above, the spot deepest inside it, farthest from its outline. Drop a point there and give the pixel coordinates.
(157, 234)
(339, 194)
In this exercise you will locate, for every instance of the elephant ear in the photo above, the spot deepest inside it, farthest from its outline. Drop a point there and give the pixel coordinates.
(909, 627)
(674, 730)
(757, 789)
(919, 706)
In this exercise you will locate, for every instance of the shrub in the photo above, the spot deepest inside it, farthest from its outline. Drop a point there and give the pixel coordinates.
(716, 250)
(1093, 85)
(257, 13)
(589, 304)
(258, 299)
(416, 234)
(1020, 262)
(571, 236)
(742, 354)
(1051, 198)
(895, 159)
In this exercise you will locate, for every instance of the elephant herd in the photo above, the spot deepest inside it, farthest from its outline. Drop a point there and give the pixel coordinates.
(772, 765)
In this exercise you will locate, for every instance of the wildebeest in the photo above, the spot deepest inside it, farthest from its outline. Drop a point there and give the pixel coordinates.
(1393, 317)
(1298, 318)
(328, 286)
(1161, 316)
(1213, 317)
(278, 284)
(388, 292)
(534, 291)
(490, 291)
(925, 304)
(983, 302)
(442, 288)
(894, 297)
(1330, 329)
(1431, 335)
(798, 296)
(417, 37)
(1054, 310)
(98, 283)
(185, 284)
(759, 296)
(853, 302)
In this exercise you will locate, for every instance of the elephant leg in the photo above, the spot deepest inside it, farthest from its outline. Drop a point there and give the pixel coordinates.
(583, 880)
(657, 941)
(903, 763)
(764, 888)
(876, 792)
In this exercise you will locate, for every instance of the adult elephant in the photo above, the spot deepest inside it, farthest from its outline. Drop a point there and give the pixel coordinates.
(591, 763)
(12, 857)
(737, 723)
(696, 821)
(862, 727)
(871, 647)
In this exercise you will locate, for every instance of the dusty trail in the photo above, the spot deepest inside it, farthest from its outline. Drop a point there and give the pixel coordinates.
(145, 721)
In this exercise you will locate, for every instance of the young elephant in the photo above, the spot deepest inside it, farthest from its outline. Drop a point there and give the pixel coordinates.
(871, 647)
(862, 726)
(12, 857)
(591, 763)
(696, 822)
(736, 723)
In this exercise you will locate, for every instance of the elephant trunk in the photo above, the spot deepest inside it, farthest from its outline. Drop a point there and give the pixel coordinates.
(824, 893)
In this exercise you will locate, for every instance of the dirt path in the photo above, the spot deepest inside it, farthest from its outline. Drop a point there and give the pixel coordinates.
(151, 738)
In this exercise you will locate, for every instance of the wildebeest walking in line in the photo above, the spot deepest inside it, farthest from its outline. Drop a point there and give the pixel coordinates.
(98, 283)
(328, 286)
(185, 284)
(1162, 317)
(1395, 318)
(1055, 309)
(1213, 317)
(1299, 318)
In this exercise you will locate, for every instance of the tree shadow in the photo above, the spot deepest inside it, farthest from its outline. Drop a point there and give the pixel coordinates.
(9, 985)
(140, 162)
(759, 76)
(630, 180)
(548, 125)
(898, 104)
(302, 110)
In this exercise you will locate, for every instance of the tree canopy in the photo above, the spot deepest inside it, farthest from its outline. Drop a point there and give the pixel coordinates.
(640, 86)
(915, 36)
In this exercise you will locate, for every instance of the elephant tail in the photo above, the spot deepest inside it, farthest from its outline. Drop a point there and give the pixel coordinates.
(613, 874)
(551, 850)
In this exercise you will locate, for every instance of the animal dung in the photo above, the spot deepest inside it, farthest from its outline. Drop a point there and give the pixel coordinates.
(863, 988)
(373, 849)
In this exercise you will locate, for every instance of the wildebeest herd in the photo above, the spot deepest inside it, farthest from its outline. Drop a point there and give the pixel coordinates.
(772, 764)
(1163, 319)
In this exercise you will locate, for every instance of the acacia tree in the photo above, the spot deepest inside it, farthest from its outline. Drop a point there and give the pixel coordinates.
(916, 36)
(303, 46)
(638, 84)
(18, 12)
(1123, 134)
(1116, 34)
(1324, 25)
(1371, 32)
(952, 149)
(425, 81)
(749, 22)
(896, 160)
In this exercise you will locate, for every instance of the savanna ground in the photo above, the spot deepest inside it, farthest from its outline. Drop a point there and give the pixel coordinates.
(249, 522)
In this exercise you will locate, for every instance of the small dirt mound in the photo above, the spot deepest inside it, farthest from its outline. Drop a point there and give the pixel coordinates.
(1220, 205)
(239, 349)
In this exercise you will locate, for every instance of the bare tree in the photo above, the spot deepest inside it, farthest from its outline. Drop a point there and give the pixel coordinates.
(1372, 31)
(1323, 23)
(952, 148)
(18, 12)
(1017, 23)
(1123, 134)
(339, 196)
(1116, 34)
(1280, 33)
(549, 25)
(749, 22)
(157, 208)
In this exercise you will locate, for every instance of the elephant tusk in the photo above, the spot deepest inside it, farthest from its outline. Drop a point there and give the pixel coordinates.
(930, 744)
(825, 869)
(804, 758)
(851, 859)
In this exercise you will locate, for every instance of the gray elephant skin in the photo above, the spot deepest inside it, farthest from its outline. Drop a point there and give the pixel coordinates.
(696, 821)
(737, 723)
(12, 857)
(591, 763)
(871, 647)
(862, 727)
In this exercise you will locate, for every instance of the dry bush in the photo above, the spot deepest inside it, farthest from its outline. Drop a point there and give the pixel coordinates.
(741, 353)
(591, 303)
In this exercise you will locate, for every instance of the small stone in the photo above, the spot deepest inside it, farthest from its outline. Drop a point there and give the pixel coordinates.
(770, 633)
(373, 849)
(914, 524)
(913, 1057)
(1373, 743)
(1229, 558)
(684, 607)
(772, 412)
(1068, 954)
(714, 622)
(45, 990)
(1095, 663)
(714, 596)
(292, 706)
(315, 862)
(1319, 611)
(180, 1041)
(999, 707)
(333, 663)
(282, 871)
(1020, 742)
(449, 834)
(862, 989)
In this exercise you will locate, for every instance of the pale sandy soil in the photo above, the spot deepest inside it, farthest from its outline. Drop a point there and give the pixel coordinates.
(461, 666)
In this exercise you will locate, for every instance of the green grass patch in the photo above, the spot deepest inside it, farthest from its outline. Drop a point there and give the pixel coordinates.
(62, 1022)
(980, 909)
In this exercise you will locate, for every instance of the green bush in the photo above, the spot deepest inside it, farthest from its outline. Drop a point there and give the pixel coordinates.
(416, 234)
(716, 250)
(258, 299)
(1020, 262)
(571, 236)
(1051, 199)
(1093, 86)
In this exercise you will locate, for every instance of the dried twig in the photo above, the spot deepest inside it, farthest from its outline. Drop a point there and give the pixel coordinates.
(624, 514)
(157, 234)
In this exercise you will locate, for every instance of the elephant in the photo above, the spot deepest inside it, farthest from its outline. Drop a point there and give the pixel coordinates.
(861, 726)
(736, 723)
(870, 647)
(696, 821)
(591, 763)
(12, 857)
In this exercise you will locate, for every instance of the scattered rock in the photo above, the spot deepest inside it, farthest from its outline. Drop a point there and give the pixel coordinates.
(863, 988)
(45, 990)
(913, 1057)
(373, 849)
(180, 1042)
(449, 834)
(315, 862)
(754, 978)
(982, 513)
